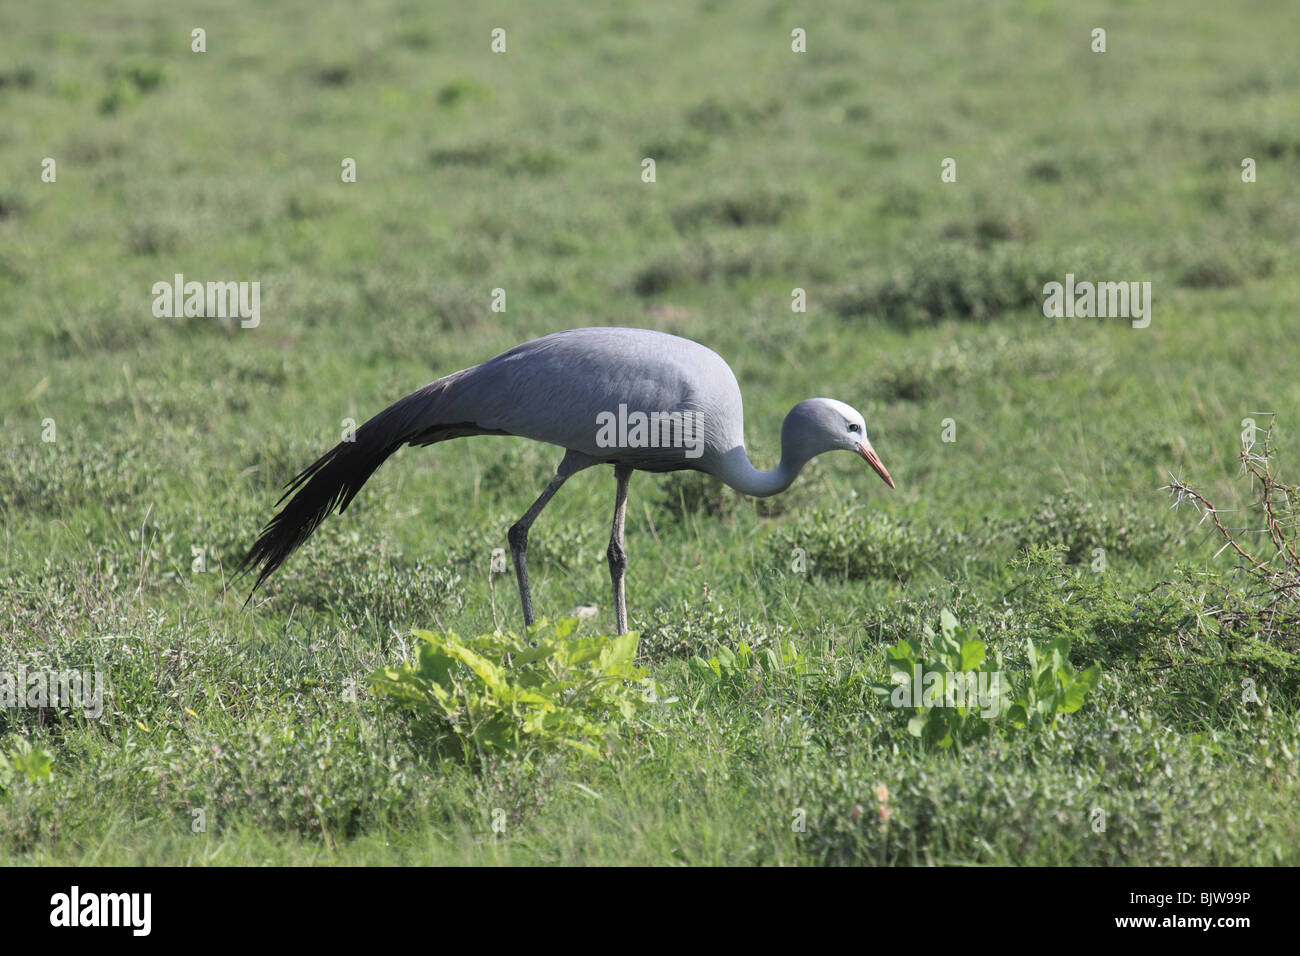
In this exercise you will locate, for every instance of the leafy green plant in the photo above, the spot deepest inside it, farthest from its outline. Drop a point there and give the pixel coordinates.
(25, 760)
(501, 693)
(129, 82)
(955, 695)
(736, 667)
(952, 695)
(1053, 687)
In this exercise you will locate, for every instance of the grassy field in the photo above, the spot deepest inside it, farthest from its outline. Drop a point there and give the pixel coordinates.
(521, 171)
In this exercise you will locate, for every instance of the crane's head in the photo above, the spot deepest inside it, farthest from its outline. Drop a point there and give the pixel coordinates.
(818, 425)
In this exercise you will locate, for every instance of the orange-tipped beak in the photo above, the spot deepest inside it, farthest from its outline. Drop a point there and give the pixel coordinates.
(869, 453)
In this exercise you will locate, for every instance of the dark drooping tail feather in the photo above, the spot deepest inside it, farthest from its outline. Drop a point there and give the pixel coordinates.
(334, 479)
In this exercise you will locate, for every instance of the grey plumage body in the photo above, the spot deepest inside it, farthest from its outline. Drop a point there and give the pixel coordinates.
(582, 373)
(558, 389)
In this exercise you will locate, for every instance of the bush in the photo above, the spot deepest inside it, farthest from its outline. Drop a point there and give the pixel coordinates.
(683, 493)
(967, 280)
(691, 628)
(855, 544)
(952, 280)
(1080, 528)
(752, 208)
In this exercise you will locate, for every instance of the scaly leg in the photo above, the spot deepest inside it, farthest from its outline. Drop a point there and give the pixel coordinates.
(617, 556)
(518, 534)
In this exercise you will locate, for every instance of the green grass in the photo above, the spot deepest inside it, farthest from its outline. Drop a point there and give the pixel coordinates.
(479, 171)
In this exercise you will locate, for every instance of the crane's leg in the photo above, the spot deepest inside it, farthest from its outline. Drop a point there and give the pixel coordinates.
(518, 535)
(617, 556)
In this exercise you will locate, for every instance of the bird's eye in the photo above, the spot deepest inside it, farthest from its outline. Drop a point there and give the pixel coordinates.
(854, 428)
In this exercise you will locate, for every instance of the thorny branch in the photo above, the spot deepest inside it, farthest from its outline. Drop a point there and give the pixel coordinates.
(1275, 570)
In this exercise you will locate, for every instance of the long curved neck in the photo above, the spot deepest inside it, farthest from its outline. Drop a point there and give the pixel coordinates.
(735, 469)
